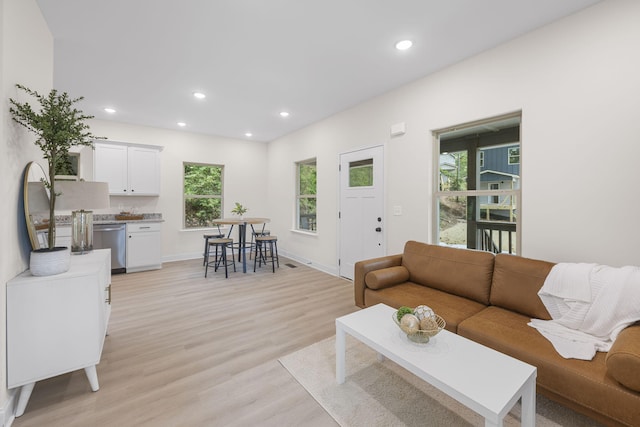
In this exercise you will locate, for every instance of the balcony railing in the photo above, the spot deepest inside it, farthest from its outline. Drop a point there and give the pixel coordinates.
(496, 237)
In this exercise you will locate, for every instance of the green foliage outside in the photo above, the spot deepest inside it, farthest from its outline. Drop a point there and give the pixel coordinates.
(361, 176)
(202, 195)
(457, 178)
(307, 196)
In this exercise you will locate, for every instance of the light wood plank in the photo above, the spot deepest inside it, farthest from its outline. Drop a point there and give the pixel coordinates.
(183, 350)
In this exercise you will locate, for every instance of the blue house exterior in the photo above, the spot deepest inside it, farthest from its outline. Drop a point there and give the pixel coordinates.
(499, 170)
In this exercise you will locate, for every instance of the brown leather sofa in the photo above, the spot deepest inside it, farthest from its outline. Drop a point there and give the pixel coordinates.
(490, 299)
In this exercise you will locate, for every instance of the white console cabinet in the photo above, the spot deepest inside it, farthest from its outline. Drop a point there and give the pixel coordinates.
(57, 324)
(130, 170)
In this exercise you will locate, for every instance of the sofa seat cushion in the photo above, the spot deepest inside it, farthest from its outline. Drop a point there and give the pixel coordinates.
(463, 272)
(583, 385)
(623, 360)
(452, 308)
(385, 277)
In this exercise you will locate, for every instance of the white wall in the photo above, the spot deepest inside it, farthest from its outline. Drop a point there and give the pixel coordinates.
(244, 176)
(26, 57)
(576, 82)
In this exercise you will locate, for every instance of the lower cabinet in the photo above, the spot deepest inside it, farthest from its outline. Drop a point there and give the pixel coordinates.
(144, 251)
(57, 324)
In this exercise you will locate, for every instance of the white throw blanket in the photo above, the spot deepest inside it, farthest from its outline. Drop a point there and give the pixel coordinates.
(589, 304)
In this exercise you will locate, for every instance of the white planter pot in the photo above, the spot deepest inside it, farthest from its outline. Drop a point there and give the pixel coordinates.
(45, 262)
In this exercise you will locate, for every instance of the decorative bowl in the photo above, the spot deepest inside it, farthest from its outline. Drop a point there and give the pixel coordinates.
(423, 335)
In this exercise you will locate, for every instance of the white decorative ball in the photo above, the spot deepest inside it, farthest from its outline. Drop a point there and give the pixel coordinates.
(423, 311)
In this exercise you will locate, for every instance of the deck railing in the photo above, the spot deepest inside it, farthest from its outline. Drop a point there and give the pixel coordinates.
(496, 237)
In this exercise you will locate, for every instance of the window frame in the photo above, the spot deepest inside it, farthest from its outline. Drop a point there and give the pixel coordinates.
(299, 197)
(511, 156)
(439, 194)
(186, 197)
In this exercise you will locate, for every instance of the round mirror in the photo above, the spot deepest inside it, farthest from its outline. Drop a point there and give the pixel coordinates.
(36, 205)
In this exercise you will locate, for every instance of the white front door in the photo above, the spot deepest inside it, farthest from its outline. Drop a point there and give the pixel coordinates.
(361, 207)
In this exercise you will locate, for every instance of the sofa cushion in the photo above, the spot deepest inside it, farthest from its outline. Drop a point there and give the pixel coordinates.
(583, 385)
(623, 360)
(516, 282)
(463, 272)
(452, 308)
(386, 277)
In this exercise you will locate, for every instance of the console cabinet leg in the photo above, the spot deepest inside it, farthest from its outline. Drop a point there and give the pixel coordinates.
(92, 376)
(23, 398)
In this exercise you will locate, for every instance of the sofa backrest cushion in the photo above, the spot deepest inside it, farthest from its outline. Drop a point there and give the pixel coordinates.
(463, 272)
(516, 282)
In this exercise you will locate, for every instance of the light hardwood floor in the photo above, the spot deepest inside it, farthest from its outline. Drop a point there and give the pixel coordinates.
(183, 350)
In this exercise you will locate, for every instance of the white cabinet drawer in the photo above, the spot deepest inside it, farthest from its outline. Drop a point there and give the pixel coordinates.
(138, 227)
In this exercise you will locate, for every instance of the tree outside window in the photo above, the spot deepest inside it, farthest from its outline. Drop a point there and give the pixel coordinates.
(203, 185)
(306, 195)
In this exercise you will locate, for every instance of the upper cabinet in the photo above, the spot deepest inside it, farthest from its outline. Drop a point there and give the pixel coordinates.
(130, 170)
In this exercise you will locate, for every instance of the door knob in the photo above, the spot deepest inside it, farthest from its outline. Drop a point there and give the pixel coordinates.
(378, 229)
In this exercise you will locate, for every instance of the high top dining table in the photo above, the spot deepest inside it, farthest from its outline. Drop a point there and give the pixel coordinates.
(242, 233)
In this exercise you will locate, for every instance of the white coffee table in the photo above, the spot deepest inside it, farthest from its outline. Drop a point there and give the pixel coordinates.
(484, 380)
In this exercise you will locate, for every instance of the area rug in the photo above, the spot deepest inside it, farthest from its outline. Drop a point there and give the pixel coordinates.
(383, 394)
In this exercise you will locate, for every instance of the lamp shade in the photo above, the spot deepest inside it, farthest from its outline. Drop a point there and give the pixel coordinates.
(82, 195)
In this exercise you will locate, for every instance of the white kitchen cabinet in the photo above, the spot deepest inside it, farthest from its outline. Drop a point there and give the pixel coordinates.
(57, 324)
(130, 170)
(144, 250)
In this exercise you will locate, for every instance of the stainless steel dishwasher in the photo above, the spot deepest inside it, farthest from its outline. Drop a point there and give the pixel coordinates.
(112, 236)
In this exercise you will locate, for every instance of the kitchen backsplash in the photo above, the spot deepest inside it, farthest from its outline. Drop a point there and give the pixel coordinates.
(66, 219)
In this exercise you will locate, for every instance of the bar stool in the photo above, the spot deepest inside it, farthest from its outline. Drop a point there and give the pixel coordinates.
(206, 238)
(255, 233)
(223, 244)
(263, 252)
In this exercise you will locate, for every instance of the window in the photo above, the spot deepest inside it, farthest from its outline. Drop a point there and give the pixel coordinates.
(361, 173)
(69, 168)
(306, 195)
(477, 203)
(514, 156)
(203, 186)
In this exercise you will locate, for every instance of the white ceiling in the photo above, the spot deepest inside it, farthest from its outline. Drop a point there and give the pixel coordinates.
(255, 58)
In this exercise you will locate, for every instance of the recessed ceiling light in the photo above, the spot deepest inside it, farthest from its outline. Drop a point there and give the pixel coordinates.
(182, 124)
(109, 110)
(404, 44)
(199, 95)
(284, 114)
(248, 134)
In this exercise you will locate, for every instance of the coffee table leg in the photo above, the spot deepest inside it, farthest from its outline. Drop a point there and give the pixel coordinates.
(340, 354)
(529, 403)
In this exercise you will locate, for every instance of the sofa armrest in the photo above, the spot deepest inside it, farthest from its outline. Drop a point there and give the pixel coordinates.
(623, 359)
(361, 269)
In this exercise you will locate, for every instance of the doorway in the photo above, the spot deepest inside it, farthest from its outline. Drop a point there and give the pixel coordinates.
(362, 228)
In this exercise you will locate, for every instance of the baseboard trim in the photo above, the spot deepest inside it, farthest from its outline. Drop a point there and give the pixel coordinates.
(310, 263)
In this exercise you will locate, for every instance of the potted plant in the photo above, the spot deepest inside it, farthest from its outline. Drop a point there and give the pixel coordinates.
(239, 210)
(58, 126)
